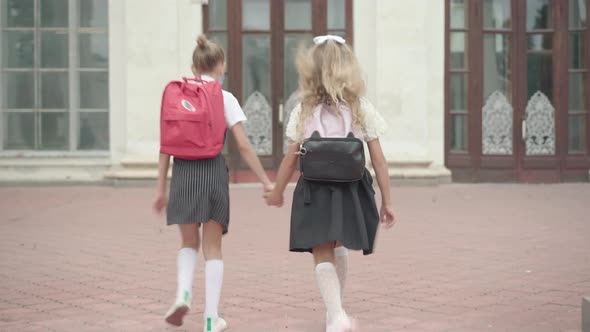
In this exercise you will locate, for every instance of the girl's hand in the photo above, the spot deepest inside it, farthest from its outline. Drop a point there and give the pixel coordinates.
(160, 203)
(387, 217)
(274, 199)
(268, 188)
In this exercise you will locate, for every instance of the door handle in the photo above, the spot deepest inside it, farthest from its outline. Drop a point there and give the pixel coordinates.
(281, 115)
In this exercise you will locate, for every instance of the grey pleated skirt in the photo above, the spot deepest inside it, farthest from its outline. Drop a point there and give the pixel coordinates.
(199, 192)
(342, 212)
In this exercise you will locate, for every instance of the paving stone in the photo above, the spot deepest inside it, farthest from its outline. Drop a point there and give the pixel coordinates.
(461, 258)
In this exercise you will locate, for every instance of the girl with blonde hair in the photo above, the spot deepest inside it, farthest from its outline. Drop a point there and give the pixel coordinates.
(328, 218)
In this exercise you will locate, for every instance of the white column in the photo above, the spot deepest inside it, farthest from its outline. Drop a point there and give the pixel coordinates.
(365, 42)
(151, 44)
(401, 47)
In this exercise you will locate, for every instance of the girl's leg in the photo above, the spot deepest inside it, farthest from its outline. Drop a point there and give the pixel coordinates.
(212, 233)
(341, 264)
(327, 280)
(324, 253)
(187, 261)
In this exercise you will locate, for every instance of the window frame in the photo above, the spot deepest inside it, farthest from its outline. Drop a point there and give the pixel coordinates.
(575, 159)
(458, 158)
(73, 70)
(585, 76)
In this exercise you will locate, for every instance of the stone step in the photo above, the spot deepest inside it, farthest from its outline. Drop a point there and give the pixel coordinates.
(138, 163)
(399, 172)
(53, 170)
(66, 170)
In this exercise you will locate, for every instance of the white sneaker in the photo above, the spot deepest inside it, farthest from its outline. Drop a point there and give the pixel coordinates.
(215, 325)
(176, 314)
(342, 324)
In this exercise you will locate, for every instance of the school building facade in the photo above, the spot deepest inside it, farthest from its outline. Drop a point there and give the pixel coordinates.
(472, 90)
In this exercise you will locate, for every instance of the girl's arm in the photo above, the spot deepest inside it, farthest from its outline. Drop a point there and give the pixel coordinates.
(161, 198)
(247, 152)
(288, 166)
(382, 173)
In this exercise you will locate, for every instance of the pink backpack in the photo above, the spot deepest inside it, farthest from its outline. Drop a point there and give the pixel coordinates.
(192, 119)
(329, 122)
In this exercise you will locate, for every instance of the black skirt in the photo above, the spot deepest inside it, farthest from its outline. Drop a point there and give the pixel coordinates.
(199, 192)
(343, 212)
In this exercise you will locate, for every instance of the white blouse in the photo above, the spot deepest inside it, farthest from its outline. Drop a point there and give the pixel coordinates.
(375, 125)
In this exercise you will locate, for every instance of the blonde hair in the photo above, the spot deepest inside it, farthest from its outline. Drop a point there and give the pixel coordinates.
(329, 73)
(207, 55)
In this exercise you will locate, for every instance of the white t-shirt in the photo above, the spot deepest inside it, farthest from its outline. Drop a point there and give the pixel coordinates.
(375, 125)
(233, 111)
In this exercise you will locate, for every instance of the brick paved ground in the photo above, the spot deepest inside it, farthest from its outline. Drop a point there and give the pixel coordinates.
(462, 258)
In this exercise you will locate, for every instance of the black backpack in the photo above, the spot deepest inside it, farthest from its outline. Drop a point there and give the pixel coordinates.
(327, 159)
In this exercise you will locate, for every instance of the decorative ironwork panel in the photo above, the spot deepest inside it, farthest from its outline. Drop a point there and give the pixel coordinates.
(497, 125)
(540, 126)
(259, 124)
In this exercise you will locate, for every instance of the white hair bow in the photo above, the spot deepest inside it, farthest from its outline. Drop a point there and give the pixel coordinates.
(322, 39)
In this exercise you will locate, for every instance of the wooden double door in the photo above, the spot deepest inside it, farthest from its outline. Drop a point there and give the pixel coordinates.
(517, 90)
(261, 38)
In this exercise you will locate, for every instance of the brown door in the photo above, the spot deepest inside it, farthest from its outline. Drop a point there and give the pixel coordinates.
(262, 38)
(520, 89)
(516, 82)
(540, 100)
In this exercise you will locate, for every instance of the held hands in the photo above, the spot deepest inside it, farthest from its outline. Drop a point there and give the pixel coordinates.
(272, 197)
(387, 217)
(268, 187)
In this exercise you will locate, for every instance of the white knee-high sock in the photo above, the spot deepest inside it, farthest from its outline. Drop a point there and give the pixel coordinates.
(187, 261)
(341, 264)
(213, 284)
(329, 288)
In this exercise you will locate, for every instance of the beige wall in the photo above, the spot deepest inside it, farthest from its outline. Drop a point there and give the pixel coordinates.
(151, 42)
(401, 47)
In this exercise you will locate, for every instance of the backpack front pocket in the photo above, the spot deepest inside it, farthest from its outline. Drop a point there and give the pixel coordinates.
(186, 129)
